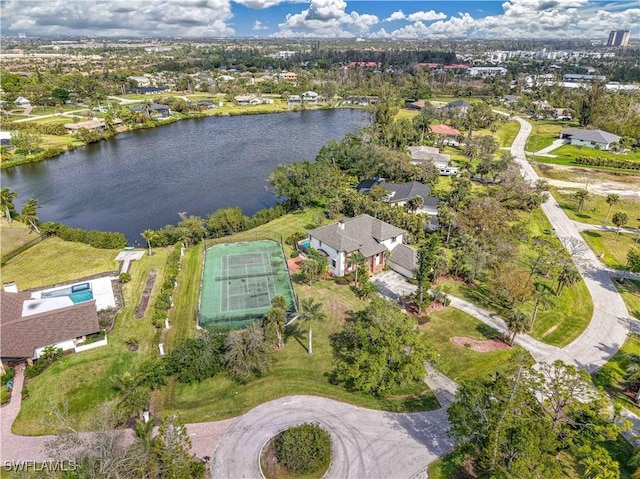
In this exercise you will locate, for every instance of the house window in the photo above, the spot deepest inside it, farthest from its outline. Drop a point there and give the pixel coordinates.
(333, 263)
(319, 244)
(393, 240)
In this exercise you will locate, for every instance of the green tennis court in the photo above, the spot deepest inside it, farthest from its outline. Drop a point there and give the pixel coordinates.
(239, 281)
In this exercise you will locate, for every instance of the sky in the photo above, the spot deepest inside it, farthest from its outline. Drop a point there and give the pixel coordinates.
(377, 19)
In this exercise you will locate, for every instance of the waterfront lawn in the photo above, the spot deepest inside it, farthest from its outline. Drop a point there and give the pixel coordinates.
(13, 235)
(54, 261)
(595, 207)
(293, 371)
(612, 253)
(460, 362)
(84, 380)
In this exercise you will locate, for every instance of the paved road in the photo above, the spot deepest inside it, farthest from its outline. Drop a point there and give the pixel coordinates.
(366, 443)
(610, 322)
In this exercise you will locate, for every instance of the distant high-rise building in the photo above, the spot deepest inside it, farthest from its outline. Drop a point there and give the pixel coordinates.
(618, 38)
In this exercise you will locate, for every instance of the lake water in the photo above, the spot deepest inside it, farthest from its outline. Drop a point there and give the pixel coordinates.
(142, 179)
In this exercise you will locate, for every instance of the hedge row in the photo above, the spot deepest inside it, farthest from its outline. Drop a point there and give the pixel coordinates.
(97, 239)
(163, 302)
(608, 162)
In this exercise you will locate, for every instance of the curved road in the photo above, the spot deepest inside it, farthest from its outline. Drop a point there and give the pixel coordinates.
(610, 323)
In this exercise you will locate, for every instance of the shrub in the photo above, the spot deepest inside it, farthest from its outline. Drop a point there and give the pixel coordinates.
(124, 277)
(304, 449)
(8, 376)
(35, 369)
(97, 239)
(5, 395)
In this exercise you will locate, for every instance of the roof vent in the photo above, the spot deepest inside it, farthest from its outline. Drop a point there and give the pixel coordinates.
(341, 225)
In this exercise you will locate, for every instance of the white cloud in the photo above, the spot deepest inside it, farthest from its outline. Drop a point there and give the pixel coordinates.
(399, 15)
(429, 16)
(258, 25)
(326, 18)
(118, 17)
(529, 19)
(260, 4)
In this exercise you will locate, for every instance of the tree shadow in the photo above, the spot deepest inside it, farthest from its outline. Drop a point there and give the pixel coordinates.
(295, 331)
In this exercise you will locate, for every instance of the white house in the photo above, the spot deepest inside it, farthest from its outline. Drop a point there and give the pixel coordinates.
(248, 99)
(22, 101)
(365, 234)
(310, 97)
(589, 138)
(140, 80)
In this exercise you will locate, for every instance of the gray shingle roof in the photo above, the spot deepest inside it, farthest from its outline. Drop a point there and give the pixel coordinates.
(404, 191)
(405, 257)
(599, 136)
(363, 233)
(19, 335)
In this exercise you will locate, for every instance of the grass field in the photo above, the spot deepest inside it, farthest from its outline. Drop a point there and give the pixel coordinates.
(293, 372)
(13, 235)
(612, 253)
(55, 261)
(83, 380)
(507, 133)
(566, 155)
(595, 207)
(544, 133)
(582, 175)
(459, 362)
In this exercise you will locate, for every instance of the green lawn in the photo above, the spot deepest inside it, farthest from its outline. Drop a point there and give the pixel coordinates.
(566, 155)
(13, 235)
(611, 376)
(544, 133)
(595, 207)
(293, 372)
(507, 133)
(55, 261)
(460, 362)
(83, 380)
(578, 174)
(630, 292)
(558, 326)
(612, 253)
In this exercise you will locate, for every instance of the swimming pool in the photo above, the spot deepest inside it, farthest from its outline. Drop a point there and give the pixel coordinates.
(81, 296)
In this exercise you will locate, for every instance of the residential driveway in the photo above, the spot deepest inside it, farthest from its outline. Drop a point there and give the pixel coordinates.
(392, 285)
(366, 444)
(553, 146)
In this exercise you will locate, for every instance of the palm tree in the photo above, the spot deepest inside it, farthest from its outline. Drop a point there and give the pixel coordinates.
(612, 199)
(542, 297)
(30, 214)
(633, 372)
(517, 323)
(311, 311)
(414, 203)
(275, 321)
(567, 277)
(148, 235)
(421, 122)
(581, 196)
(356, 259)
(619, 219)
(6, 202)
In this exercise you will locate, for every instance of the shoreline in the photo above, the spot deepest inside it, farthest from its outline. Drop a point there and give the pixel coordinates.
(55, 152)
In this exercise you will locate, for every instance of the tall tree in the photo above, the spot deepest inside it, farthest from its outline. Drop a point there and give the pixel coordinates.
(517, 322)
(311, 313)
(26, 141)
(568, 276)
(148, 236)
(356, 259)
(423, 119)
(6, 203)
(30, 214)
(541, 300)
(414, 203)
(612, 199)
(277, 317)
(581, 196)
(379, 350)
(619, 219)
(247, 353)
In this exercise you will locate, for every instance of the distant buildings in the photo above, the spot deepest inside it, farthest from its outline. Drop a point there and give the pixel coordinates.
(618, 38)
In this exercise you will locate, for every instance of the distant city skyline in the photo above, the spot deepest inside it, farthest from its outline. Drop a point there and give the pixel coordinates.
(408, 19)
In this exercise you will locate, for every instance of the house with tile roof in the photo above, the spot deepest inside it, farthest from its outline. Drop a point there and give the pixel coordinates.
(589, 138)
(365, 234)
(28, 324)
